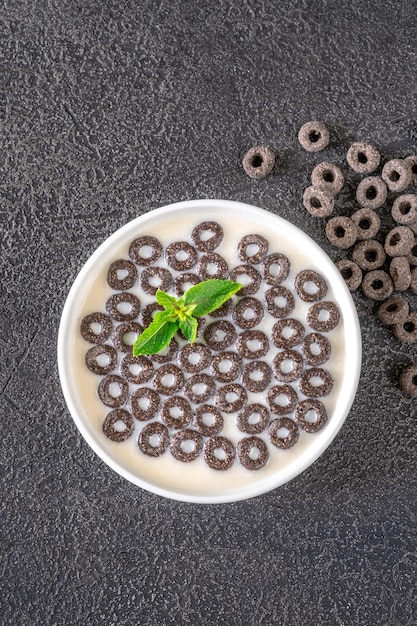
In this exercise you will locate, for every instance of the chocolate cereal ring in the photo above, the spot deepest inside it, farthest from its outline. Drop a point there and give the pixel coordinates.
(208, 420)
(144, 403)
(145, 250)
(252, 248)
(136, 369)
(413, 281)
(220, 335)
(194, 357)
(313, 136)
(125, 335)
(306, 279)
(113, 390)
(167, 354)
(400, 273)
(399, 241)
(153, 278)
(258, 162)
(96, 327)
(179, 448)
(281, 399)
(176, 412)
(207, 236)
(185, 281)
(310, 415)
(397, 175)
(101, 359)
(248, 276)
(288, 365)
(327, 176)
(406, 330)
(181, 256)
(369, 254)
(224, 310)
(363, 158)
(252, 452)
(112, 431)
(281, 337)
(279, 301)
(312, 390)
(256, 376)
(367, 223)
(318, 201)
(248, 312)
(122, 274)
(316, 349)
(371, 192)
(412, 162)
(408, 380)
(231, 398)
(404, 209)
(341, 231)
(393, 311)
(412, 255)
(219, 453)
(148, 313)
(226, 366)
(120, 313)
(253, 419)
(377, 285)
(199, 388)
(275, 268)
(252, 344)
(212, 265)
(351, 273)
(168, 379)
(283, 433)
(148, 435)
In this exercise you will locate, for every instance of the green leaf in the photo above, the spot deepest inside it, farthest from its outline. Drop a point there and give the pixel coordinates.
(157, 335)
(189, 328)
(165, 300)
(209, 295)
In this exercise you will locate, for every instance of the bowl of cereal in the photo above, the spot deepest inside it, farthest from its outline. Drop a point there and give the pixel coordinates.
(256, 398)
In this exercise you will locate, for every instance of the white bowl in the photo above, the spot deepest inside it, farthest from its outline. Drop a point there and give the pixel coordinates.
(195, 481)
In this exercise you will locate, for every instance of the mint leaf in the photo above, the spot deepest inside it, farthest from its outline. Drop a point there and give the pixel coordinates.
(209, 295)
(165, 300)
(157, 335)
(189, 327)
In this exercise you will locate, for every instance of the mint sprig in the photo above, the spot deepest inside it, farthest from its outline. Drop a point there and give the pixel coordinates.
(182, 313)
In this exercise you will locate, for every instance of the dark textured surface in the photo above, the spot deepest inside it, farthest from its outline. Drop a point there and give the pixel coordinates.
(108, 110)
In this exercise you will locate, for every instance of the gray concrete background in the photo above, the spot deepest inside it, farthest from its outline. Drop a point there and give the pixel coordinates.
(108, 110)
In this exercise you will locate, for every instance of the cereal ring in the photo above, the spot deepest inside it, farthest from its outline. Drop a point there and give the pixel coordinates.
(176, 412)
(412, 162)
(393, 311)
(412, 255)
(248, 312)
(179, 448)
(185, 281)
(377, 285)
(408, 380)
(136, 369)
(413, 281)
(122, 274)
(406, 330)
(208, 420)
(167, 354)
(212, 265)
(226, 366)
(207, 236)
(110, 428)
(397, 175)
(341, 232)
(252, 452)
(199, 388)
(148, 313)
(275, 268)
(96, 327)
(310, 389)
(399, 241)
(367, 223)
(194, 357)
(258, 162)
(279, 301)
(181, 255)
(400, 273)
(252, 248)
(101, 359)
(303, 415)
(318, 201)
(256, 376)
(231, 397)
(351, 273)
(125, 335)
(253, 419)
(144, 403)
(241, 274)
(224, 310)
(168, 379)
(313, 136)
(369, 254)
(147, 437)
(113, 390)
(280, 333)
(115, 310)
(283, 433)
(145, 250)
(327, 176)
(281, 399)
(304, 280)
(220, 335)
(316, 349)
(363, 158)
(404, 209)
(288, 366)
(219, 453)
(252, 344)
(371, 192)
(153, 278)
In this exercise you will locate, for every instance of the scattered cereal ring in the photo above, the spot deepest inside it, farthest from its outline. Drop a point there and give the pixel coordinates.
(305, 411)
(181, 255)
(207, 236)
(168, 379)
(288, 365)
(327, 175)
(341, 231)
(258, 162)
(136, 369)
(393, 311)
(363, 158)
(281, 399)
(249, 277)
(252, 452)
(312, 390)
(377, 285)
(399, 241)
(400, 273)
(230, 398)
(310, 286)
(122, 274)
(220, 335)
(279, 301)
(110, 428)
(253, 419)
(248, 312)
(252, 248)
(371, 192)
(176, 412)
(369, 254)
(153, 278)
(397, 174)
(148, 313)
(287, 333)
(113, 390)
(114, 306)
(406, 330)
(219, 453)
(144, 403)
(283, 433)
(316, 349)
(194, 357)
(313, 136)
(275, 268)
(367, 223)
(256, 376)
(404, 209)
(208, 420)
(212, 265)
(96, 327)
(252, 344)
(148, 435)
(185, 281)
(408, 380)
(226, 366)
(125, 335)
(412, 162)
(101, 359)
(199, 388)
(178, 445)
(145, 250)
(318, 201)
(351, 273)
